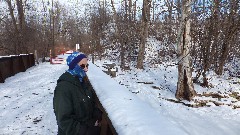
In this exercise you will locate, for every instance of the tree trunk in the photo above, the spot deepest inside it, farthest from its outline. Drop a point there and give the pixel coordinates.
(185, 89)
(22, 27)
(130, 9)
(118, 38)
(15, 26)
(134, 10)
(144, 32)
(153, 11)
(169, 33)
(53, 29)
(115, 17)
(232, 29)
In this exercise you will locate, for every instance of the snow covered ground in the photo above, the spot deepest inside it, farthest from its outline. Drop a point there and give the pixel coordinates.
(135, 107)
(155, 86)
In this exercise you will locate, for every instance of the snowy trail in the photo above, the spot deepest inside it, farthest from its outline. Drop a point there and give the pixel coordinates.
(204, 121)
(26, 99)
(136, 108)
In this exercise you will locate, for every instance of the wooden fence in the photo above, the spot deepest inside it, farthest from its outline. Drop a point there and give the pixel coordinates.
(11, 65)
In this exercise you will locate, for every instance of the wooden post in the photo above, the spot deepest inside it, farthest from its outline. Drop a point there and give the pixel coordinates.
(36, 56)
(1, 77)
(104, 125)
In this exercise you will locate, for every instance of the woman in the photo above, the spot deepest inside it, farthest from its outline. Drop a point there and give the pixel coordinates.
(73, 101)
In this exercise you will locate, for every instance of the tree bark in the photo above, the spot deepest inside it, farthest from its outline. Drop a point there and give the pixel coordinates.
(185, 89)
(233, 27)
(22, 27)
(118, 38)
(114, 17)
(53, 31)
(14, 24)
(134, 10)
(144, 32)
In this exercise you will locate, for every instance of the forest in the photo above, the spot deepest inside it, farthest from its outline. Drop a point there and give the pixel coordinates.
(199, 35)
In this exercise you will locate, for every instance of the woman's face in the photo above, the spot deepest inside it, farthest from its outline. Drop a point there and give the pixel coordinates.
(84, 64)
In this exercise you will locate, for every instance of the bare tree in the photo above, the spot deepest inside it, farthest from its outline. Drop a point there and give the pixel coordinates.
(230, 31)
(14, 22)
(215, 29)
(144, 31)
(206, 36)
(185, 89)
(126, 30)
(117, 34)
(20, 29)
(115, 17)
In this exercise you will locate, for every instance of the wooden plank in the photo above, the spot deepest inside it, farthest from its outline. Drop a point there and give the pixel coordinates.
(106, 125)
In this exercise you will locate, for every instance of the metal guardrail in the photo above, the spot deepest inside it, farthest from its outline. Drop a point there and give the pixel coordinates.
(11, 65)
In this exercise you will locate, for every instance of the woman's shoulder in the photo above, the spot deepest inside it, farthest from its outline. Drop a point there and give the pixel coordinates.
(65, 85)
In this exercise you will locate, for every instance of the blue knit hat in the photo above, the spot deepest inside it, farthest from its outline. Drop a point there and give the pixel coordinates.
(74, 58)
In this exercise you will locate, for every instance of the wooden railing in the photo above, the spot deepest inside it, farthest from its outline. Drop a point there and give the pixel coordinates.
(11, 65)
(106, 125)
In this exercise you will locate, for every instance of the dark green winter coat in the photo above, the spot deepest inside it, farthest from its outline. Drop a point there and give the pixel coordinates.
(74, 106)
